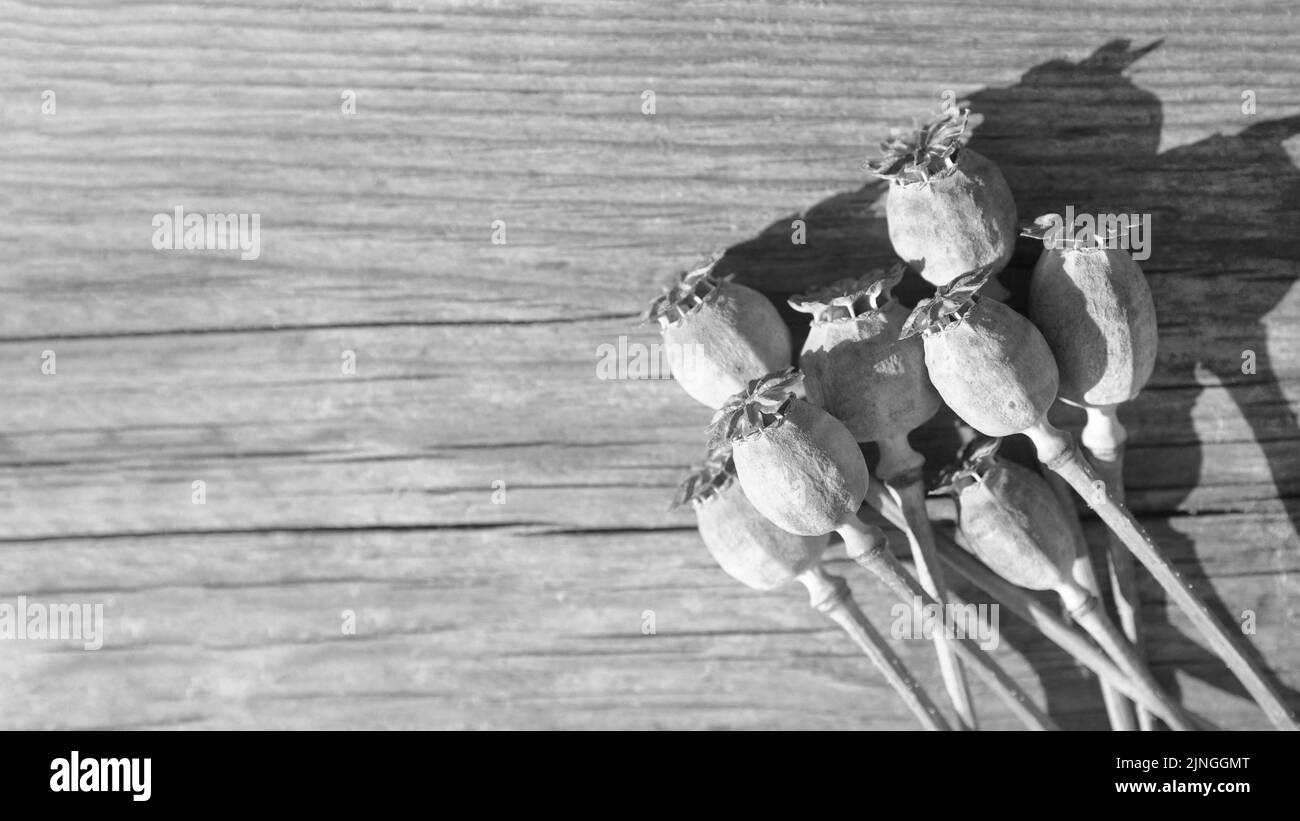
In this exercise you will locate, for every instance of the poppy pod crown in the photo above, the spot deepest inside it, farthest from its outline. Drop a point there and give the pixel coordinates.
(849, 299)
(715, 475)
(1050, 228)
(977, 458)
(948, 308)
(798, 465)
(763, 405)
(913, 157)
(693, 288)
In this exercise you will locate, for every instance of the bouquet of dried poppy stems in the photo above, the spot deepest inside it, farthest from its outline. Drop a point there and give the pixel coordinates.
(785, 470)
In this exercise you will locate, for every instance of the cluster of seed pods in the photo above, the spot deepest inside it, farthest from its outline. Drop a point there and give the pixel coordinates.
(995, 370)
(800, 468)
(786, 470)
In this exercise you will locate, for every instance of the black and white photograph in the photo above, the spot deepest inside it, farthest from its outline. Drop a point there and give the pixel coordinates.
(482, 365)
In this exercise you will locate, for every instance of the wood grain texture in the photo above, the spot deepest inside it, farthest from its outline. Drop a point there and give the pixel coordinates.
(477, 362)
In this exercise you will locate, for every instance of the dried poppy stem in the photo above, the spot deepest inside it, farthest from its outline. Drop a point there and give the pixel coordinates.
(1057, 451)
(910, 496)
(1119, 710)
(1103, 436)
(871, 552)
(1031, 610)
(793, 491)
(1088, 614)
(830, 595)
(856, 367)
(994, 369)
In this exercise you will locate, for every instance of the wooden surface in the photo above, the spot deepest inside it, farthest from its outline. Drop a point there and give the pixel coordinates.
(476, 362)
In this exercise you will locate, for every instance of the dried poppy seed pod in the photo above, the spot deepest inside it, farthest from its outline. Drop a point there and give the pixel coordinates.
(1014, 523)
(741, 540)
(1012, 520)
(856, 366)
(949, 208)
(719, 335)
(1094, 307)
(989, 363)
(799, 466)
(761, 555)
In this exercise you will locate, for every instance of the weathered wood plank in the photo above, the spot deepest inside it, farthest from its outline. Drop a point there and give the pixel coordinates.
(507, 628)
(760, 112)
(432, 417)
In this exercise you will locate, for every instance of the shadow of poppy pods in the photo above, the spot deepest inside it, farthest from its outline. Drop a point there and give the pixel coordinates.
(854, 363)
(741, 540)
(718, 334)
(949, 208)
(1094, 308)
(799, 466)
(989, 363)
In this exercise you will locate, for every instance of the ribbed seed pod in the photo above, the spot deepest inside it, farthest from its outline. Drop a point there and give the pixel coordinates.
(1012, 520)
(719, 335)
(854, 363)
(949, 208)
(799, 466)
(1014, 523)
(743, 541)
(989, 363)
(1094, 307)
